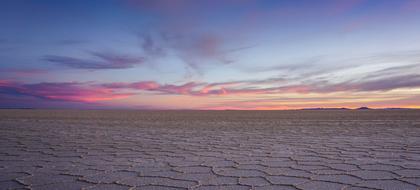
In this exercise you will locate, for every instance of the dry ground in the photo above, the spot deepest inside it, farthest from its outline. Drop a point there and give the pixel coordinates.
(57, 149)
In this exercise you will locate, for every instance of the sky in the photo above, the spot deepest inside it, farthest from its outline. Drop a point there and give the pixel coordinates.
(209, 54)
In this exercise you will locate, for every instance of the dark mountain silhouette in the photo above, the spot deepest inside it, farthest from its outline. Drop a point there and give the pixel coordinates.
(325, 109)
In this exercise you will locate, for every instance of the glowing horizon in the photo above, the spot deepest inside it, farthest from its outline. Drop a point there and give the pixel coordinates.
(216, 55)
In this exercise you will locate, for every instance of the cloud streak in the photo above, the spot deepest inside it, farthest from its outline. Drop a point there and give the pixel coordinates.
(70, 91)
(102, 61)
(102, 92)
(252, 87)
(194, 49)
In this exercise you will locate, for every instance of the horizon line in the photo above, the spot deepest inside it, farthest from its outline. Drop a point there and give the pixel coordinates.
(134, 109)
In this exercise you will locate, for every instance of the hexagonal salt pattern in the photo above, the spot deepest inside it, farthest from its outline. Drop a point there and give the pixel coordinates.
(55, 149)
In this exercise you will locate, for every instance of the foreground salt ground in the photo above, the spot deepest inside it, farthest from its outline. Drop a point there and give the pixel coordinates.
(55, 149)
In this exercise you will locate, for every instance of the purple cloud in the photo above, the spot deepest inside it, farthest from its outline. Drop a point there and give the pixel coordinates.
(69, 91)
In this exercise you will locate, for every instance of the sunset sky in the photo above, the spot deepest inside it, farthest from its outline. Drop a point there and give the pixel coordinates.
(215, 54)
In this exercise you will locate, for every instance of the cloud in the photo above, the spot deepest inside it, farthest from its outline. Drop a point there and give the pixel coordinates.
(254, 87)
(309, 64)
(187, 38)
(197, 49)
(393, 71)
(186, 88)
(150, 46)
(92, 92)
(201, 48)
(381, 84)
(384, 84)
(184, 8)
(22, 72)
(191, 88)
(71, 42)
(69, 91)
(103, 61)
(144, 85)
(362, 67)
(339, 7)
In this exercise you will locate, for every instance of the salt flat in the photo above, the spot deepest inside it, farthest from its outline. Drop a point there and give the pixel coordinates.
(343, 149)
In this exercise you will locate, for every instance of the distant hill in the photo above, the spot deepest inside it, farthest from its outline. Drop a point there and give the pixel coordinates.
(363, 108)
(360, 108)
(325, 109)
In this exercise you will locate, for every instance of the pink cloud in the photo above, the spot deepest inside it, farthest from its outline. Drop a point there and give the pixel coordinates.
(4, 82)
(91, 92)
(144, 85)
(209, 87)
(186, 88)
(102, 92)
(190, 88)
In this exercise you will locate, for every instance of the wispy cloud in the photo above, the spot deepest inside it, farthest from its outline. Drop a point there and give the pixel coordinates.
(254, 87)
(151, 47)
(102, 60)
(71, 42)
(383, 84)
(393, 71)
(13, 72)
(184, 8)
(186, 88)
(370, 66)
(101, 92)
(194, 49)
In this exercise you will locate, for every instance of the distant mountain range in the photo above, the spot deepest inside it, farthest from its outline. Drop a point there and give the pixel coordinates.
(325, 109)
(360, 108)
